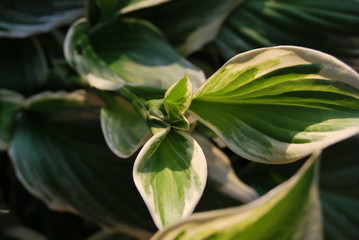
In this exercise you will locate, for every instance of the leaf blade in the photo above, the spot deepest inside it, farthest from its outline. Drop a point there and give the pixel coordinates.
(170, 173)
(277, 105)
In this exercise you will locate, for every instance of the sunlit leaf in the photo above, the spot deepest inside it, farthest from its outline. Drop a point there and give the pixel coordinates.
(199, 21)
(24, 18)
(23, 66)
(10, 103)
(264, 23)
(124, 129)
(277, 105)
(338, 185)
(67, 164)
(170, 173)
(220, 171)
(126, 51)
(289, 211)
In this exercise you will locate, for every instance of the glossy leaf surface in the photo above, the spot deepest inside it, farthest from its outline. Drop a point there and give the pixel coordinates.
(289, 211)
(277, 105)
(126, 51)
(170, 173)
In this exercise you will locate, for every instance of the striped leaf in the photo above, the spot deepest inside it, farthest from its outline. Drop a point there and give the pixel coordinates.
(126, 51)
(176, 102)
(10, 104)
(25, 18)
(124, 129)
(264, 23)
(289, 211)
(277, 105)
(170, 173)
(65, 162)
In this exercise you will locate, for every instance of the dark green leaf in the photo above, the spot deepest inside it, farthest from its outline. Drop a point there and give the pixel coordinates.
(124, 129)
(10, 104)
(327, 26)
(68, 165)
(23, 18)
(23, 66)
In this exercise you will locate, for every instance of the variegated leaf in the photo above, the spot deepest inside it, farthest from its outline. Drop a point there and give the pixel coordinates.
(170, 173)
(124, 129)
(176, 102)
(199, 21)
(60, 156)
(289, 211)
(126, 52)
(277, 105)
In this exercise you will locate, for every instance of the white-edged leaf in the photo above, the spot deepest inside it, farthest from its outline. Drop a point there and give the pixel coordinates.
(124, 129)
(221, 172)
(47, 102)
(25, 18)
(126, 51)
(177, 100)
(66, 163)
(277, 105)
(289, 211)
(170, 173)
(199, 21)
(10, 104)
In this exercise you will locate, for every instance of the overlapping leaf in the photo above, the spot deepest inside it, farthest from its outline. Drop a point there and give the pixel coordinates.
(177, 100)
(327, 26)
(170, 173)
(124, 129)
(220, 171)
(10, 103)
(23, 66)
(289, 211)
(24, 18)
(277, 105)
(339, 191)
(199, 21)
(68, 165)
(126, 51)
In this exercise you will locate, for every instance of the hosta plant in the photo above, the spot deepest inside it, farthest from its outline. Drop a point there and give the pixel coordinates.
(124, 120)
